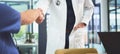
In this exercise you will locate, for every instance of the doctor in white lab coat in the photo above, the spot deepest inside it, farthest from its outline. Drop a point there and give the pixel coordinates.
(56, 22)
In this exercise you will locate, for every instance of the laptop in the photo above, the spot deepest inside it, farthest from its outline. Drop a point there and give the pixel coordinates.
(111, 41)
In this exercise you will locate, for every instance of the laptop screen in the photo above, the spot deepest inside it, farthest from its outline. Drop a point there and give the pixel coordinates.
(111, 41)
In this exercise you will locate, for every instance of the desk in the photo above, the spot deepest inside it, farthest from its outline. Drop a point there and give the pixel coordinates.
(28, 48)
(91, 53)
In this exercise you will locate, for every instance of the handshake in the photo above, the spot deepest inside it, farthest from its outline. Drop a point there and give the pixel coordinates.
(29, 16)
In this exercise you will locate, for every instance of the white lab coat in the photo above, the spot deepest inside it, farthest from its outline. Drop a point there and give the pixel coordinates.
(56, 21)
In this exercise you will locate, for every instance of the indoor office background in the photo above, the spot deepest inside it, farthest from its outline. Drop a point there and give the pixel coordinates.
(106, 18)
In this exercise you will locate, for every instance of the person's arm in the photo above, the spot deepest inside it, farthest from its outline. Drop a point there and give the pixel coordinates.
(88, 11)
(11, 20)
(28, 16)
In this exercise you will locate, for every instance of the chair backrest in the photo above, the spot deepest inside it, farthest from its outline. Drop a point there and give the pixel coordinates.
(77, 51)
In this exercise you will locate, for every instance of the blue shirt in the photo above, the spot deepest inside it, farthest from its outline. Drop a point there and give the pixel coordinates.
(9, 23)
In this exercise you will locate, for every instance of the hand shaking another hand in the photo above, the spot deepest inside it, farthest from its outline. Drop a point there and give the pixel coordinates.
(29, 16)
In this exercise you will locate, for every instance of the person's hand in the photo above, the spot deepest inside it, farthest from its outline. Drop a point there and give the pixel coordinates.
(29, 16)
(79, 25)
(40, 18)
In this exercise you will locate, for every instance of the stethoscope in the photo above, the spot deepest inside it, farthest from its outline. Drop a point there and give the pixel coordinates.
(58, 2)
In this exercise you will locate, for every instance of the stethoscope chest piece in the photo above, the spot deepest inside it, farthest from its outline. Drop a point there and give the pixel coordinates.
(58, 3)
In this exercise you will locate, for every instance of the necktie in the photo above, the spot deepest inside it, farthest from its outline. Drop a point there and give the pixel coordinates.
(70, 21)
(70, 15)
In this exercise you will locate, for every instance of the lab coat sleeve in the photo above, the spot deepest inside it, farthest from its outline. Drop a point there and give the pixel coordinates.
(43, 4)
(9, 19)
(88, 11)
